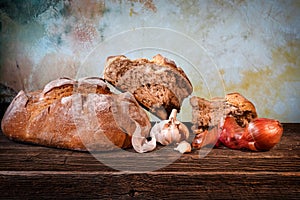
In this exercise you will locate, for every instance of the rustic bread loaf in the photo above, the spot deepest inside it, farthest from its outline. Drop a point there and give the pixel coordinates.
(77, 115)
(208, 113)
(157, 84)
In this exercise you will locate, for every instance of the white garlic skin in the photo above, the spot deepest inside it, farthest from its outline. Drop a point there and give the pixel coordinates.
(140, 142)
(141, 145)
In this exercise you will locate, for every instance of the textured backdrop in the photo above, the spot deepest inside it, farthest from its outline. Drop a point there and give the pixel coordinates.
(251, 47)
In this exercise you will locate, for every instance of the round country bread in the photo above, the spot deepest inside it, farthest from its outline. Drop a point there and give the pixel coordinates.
(76, 115)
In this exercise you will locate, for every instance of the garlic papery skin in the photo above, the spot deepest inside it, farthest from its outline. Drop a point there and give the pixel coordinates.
(142, 145)
(183, 147)
(140, 142)
(170, 131)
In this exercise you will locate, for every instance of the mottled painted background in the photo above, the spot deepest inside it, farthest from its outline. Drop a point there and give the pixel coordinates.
(251, 47)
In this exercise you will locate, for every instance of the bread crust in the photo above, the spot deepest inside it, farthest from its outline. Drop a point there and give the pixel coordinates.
(142, 74)
(76, 115)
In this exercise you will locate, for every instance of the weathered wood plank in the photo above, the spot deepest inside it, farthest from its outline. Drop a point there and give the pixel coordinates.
(284, 157)
(31, 171)
(74, 185)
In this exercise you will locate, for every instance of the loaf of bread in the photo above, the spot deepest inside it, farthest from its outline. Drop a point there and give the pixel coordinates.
(208, 113)
(157, 84)
(77, 115)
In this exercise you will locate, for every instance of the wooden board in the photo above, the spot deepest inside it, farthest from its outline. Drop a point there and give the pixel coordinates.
(30, 171)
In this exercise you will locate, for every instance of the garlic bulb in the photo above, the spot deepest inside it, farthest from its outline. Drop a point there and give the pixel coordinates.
(170, 131)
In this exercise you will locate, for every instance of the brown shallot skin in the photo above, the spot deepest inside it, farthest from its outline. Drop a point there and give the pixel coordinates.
(261, 134)
(266, 132)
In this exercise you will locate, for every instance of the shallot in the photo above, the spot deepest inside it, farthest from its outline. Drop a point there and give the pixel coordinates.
(261, 134)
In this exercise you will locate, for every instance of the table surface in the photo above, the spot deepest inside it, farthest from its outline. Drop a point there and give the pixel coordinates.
(28, 171)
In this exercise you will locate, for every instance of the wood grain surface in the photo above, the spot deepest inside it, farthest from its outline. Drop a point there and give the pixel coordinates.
(29, 171)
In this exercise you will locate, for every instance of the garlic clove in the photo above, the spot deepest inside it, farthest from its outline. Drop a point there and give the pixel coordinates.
(160, 132)
(183, 131)
(183, 147)
(164, 137)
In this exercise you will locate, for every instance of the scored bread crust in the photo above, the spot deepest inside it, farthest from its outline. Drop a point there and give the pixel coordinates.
(76, 115)
(157, 84)
(209, 113)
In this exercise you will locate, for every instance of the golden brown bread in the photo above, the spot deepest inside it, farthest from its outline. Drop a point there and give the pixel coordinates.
(209, 113)
(78, 115)
(157, 84)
